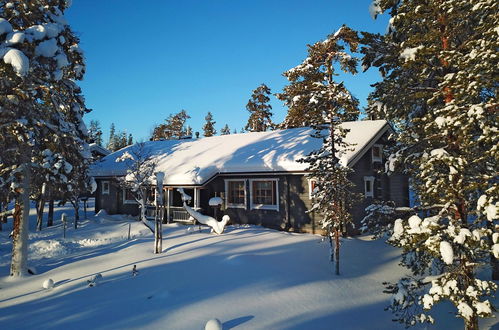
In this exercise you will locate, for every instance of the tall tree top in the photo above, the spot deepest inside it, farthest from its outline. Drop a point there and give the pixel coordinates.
(259, 108)
(313, 95)
(209, 126)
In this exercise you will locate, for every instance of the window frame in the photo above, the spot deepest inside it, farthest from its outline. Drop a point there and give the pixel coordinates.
(105, 191)
(371, 180)
(312, 183)
(128, 201)
(227, 194)
(271, 207)
(377, 158)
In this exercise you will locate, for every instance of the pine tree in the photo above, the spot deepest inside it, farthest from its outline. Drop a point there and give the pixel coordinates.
(111, 144)
(42, 106)
(331, 104)
(312, 87)
(440, 67)
(95, 132)
(225, 130)
(209, 126)
(259, 109)
(173, 128)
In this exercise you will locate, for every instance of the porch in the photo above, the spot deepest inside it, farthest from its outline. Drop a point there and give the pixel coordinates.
(174, 211)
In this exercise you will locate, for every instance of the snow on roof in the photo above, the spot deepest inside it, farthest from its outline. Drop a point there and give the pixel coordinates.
(193, 162)
(94, 147)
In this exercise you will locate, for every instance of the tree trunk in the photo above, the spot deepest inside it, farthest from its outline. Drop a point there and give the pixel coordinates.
(158, 228)
(76, 206)
(50, 218)
(472, 323)
(40, 207)
(19, 262)
(337, 250)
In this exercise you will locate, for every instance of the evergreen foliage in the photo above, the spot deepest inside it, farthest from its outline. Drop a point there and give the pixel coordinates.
(173, 128)
(95, 132)
(41, 108)
(209, 126)
(440, 67)
(259, 109)
(225, 130)
(312, 91)
(330, 103)
(118, 139)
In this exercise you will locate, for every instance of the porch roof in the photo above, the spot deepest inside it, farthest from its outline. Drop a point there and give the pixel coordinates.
(193, 162)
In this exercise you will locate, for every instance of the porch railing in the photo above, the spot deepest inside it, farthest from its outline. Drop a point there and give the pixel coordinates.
(177, 214)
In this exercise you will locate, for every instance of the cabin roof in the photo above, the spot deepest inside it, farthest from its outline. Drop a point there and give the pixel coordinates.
(194, 162)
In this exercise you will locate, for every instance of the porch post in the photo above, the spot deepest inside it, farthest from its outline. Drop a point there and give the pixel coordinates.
(168, 204)
(196, 198)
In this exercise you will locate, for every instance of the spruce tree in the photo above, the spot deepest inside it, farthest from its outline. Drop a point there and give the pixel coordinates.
(111, 144)
(440, 67)
(259, 109)
(225, 130)
(95, 132)
(209, 126)
(331, 103)
(42, 107)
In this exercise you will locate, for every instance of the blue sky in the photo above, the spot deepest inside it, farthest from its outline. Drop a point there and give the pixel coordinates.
(148, 59)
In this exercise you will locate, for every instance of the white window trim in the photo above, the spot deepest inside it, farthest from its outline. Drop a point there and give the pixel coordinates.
(232, 205)
(371, 180)
(310, 181)
(374, 158)
(128, 201)
(105, 191)
(264, 206)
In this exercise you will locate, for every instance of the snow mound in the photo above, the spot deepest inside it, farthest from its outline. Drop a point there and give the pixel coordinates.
(213, 324)
(48, 284)
(50, 248)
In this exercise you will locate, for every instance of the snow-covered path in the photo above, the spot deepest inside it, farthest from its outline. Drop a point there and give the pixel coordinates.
(249, 278)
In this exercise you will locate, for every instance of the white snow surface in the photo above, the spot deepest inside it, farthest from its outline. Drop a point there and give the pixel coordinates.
(18, 60)
(196, 161)
(446, 252)
(248, 278)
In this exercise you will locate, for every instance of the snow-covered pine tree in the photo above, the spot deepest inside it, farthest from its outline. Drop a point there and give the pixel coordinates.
(312, 83)
(141, 168)
(440, 67)
(173, 128)
(225, 130)
(209, 126)
(111, 144)
(259, 109)
(95, 132)
(41, 62)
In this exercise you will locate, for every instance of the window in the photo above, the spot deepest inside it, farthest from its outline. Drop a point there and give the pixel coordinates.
(235, 193)
(312, 186)
(369, 186)
(128, 197)
(264, 194)
(377, 152)
(105, 187)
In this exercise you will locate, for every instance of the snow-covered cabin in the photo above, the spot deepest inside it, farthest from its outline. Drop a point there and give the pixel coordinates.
(257, 175)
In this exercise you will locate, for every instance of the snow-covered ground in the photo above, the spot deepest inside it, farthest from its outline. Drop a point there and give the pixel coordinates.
(248, 278)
